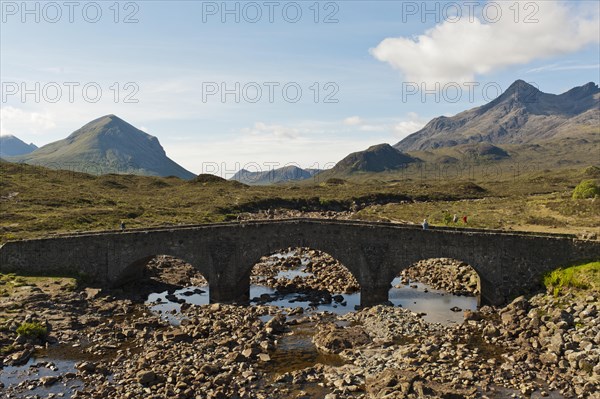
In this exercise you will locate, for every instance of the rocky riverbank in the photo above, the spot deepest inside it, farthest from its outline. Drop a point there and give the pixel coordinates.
(544, 346)
(539, 345)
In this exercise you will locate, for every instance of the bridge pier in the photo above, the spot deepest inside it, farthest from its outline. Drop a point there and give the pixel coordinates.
(229, 292)
(374, 295)
(490, 293)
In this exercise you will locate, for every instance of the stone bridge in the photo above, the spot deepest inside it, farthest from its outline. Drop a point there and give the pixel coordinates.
(508, 263)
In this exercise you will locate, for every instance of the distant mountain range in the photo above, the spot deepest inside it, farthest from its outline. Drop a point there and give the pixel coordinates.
(520, 115)
(281, 175)
(11, 146)
(107, 145)
(522, 125)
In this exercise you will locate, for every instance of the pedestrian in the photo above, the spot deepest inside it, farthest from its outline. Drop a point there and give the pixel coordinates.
(425, 224)
(122, 225)
(455, 218)
(464, 219)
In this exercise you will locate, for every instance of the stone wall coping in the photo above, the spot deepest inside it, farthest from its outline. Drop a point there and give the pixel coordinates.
(445, 229)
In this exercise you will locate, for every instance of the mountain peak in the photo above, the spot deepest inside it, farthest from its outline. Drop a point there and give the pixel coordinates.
(520, 91)
(522, 114)
(377, 158)
(11, 145)
(520, 84)
(107, 119)
(380, 147)
(110, 145)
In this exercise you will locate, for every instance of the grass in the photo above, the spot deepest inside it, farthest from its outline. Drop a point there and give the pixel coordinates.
(32, 330)
(10, 281)
(4, 350)
(580, 277)
(37, 202)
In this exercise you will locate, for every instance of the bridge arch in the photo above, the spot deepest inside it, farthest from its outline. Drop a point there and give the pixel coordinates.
(351, 259)
(488, 290)
(138, 269)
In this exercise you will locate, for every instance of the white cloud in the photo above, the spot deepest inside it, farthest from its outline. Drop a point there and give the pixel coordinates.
(409, 126)
(352, 121)
(459, 51)
(563, 67)
(16, 121)
(264, 131)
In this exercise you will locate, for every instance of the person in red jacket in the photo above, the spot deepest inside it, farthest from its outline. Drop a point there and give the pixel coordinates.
(464, 219)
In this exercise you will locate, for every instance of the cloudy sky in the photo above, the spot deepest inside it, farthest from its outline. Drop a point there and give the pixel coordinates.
(224, 85)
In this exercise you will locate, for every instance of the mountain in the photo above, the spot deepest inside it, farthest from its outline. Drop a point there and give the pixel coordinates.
(520, 115)
(377, 158)
(281, 175)
(107, 145)
(11, 146)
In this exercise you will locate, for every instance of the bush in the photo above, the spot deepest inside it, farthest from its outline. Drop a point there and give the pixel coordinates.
(334, 181)
(586, 189)
(447, 219)
(32, 330)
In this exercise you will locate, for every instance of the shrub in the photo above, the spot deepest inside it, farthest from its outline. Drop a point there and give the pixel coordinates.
(447, 219)
(334, 181)
(32, 330)
(586, 189)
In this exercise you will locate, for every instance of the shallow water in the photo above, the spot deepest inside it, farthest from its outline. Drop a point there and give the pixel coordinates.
(435, 304)
(54, 362)
(296, 351)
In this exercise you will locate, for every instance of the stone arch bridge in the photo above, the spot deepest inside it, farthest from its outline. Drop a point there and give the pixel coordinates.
(508, 263)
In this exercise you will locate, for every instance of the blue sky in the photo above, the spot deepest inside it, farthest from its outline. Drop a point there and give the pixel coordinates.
(371, 63)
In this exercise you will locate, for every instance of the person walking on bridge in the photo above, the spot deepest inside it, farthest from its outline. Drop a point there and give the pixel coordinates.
(122, 225)
(425, 224)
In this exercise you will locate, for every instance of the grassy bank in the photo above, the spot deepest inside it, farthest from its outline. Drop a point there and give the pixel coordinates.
(10, 282)
(584, 277)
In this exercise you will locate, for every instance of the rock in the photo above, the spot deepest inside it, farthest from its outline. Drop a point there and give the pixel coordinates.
(146, 377)
(87, 367)
(276, 325)
(491, 331)
(508, 318)
(209, 369)
(48, 380)
(249, 352)
(548, 358)
(263, 357)
(21, 357)
(390, 383)
(333, 339)
(470, 315)
(92, 293)
(556, 343)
